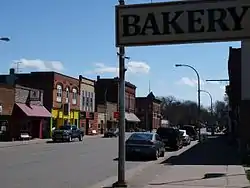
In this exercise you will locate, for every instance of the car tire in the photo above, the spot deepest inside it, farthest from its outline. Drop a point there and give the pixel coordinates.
(54, 140)
(162, 153)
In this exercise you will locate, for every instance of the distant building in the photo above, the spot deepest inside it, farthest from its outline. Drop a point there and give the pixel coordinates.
(23, 110)
(148, 109)
(88, 114)
(107, 102)
(61, 94)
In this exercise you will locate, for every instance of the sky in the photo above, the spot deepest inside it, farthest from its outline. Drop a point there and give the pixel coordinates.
(78, 37)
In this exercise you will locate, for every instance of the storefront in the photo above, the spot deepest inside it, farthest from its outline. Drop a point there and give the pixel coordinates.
(89, 122)
(131, 121)
(60, 118)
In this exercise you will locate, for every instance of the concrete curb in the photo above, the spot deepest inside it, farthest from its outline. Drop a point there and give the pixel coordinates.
(132, 172)
(37, 141)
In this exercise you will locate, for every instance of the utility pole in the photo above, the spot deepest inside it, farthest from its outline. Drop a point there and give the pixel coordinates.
(121, 153)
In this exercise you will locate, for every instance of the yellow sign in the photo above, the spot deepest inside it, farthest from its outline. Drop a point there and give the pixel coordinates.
(76, 115)
(54, 113)
(60, 115)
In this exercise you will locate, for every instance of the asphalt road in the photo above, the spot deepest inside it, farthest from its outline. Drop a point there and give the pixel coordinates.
(64, 165)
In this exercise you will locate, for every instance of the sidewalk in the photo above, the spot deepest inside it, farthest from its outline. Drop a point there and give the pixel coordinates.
(201, 177)
(37, 141)
(211, 164)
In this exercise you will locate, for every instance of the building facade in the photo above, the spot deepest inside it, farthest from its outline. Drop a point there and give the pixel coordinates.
(148, 109)
(23, 111)
(61, 95)
(88, 114)
(107, 101)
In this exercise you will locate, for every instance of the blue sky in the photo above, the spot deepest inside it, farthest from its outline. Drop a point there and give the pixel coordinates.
(77, 37)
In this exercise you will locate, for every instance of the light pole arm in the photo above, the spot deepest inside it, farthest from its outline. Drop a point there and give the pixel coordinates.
(211, 99)
(198, 76)
(198, 91)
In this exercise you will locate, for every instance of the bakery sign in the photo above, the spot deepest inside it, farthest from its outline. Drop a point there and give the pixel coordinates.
(182, 22)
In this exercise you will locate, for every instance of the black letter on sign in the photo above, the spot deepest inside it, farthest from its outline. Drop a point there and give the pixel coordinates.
(192, 21)
(150, 23)
(173, 22)
(220, 21)
(237, 18)
(131, 29)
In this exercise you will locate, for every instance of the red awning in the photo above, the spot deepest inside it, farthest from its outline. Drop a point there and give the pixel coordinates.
(34, 110)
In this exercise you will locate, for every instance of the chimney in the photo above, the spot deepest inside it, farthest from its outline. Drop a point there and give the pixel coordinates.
(12, 71)
(10, 79)
(80, 78)
(98, 77)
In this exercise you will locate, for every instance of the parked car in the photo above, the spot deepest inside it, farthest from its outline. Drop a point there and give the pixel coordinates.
(67, 133)
(186, 140)
(145, 144)
(190, 130)
(111, 133)
(171, 137)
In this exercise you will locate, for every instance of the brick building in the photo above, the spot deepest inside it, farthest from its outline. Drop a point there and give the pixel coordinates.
(88, 114)
(23, 110)
(107, 92)
(61, 95)
(148, 109)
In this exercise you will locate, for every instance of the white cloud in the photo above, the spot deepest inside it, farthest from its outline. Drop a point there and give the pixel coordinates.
(138, 67)
(133, 67)
(40, 65)
(189, 81)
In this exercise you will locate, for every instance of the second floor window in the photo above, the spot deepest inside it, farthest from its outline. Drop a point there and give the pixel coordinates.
(91, 102)
(59, 93)
(67, 95)
(74, 96)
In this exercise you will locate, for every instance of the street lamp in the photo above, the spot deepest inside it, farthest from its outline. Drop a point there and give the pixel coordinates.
(198, 92)
(5, 39)
(211, 99)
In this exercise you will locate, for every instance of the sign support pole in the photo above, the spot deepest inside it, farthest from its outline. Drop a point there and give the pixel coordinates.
(121, 153)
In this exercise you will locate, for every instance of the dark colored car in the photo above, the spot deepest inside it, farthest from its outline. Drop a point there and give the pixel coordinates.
(145, 144)
(191, 131)
(67, 133)
(171, 137)
(111, 133)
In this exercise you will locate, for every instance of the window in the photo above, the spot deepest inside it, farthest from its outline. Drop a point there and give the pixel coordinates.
(59, 93)
(91, 102)
(67, 95)
(87, 100)
(83, 100)
(157, 137)
(74, 97)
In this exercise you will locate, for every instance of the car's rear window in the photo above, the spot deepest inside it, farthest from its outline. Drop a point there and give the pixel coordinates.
(189, 130)
(65, 127)
(166, 131)
(141, 136)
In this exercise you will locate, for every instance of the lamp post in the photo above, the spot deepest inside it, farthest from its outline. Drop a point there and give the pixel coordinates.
(5, 39)
(121, 150)
(198, 92)
(211, 100)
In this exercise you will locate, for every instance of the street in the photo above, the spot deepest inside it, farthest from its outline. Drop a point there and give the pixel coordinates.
(76, 164)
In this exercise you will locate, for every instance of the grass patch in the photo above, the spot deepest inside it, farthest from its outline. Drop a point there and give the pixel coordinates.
(248, 174)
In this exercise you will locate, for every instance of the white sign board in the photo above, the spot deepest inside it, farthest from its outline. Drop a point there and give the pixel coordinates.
(182, 22)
